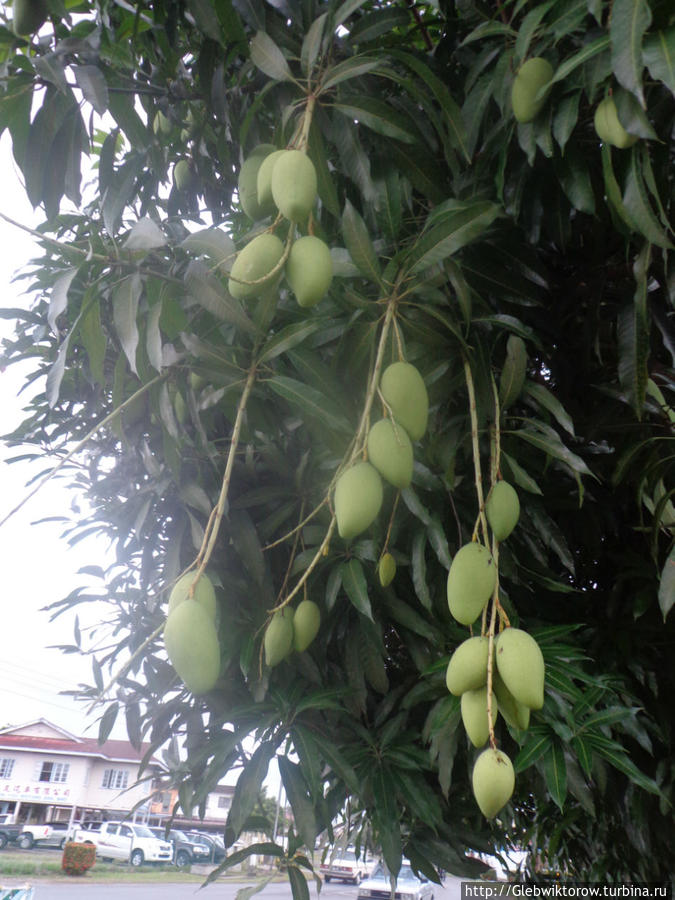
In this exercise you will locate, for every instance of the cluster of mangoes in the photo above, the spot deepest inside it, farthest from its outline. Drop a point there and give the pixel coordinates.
(529, 94)
(517, 666)
(359, 491)
(283, 181)
(290, 630)
(191, 632)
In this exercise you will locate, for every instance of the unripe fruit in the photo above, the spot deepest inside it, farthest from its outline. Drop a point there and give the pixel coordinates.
(390, 451)
(264, 182)
(255, 262)
(531, 77)
(515, 714)
(471, 581)
(358, 498)
(608, 127)
(182, 175)
(502, 510)
(475, 717)
(309, 270)
(179, 408)
(247, 187)
(493, 781)
(161, 123)
(467, 669)
(202, 593)
(29, 16)
(404, 391)
(306, 623)
(191, 643)
(294, 185)
(386, 569)
(521, 666)
(278, 640)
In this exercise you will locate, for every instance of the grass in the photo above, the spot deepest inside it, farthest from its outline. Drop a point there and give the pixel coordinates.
(46, 865)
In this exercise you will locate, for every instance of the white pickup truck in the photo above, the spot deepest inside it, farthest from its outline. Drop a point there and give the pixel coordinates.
(46, 834)
(128, 841)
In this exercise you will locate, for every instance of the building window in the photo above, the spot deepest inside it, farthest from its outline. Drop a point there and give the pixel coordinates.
(116, 779)
(53, 772)
(223, 802)
(6, 768)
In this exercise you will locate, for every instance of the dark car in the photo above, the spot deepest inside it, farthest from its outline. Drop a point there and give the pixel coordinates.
(187, 848)
(8, 831)
(214, 842)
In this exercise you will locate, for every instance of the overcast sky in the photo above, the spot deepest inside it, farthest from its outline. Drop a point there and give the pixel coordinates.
(37, 565)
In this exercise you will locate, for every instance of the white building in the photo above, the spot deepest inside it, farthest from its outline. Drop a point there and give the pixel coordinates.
(48, 774)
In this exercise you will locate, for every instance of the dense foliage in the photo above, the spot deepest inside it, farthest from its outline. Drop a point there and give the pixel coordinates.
(473, 246)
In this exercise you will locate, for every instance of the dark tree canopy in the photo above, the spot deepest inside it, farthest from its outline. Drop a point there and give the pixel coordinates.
(523, 267)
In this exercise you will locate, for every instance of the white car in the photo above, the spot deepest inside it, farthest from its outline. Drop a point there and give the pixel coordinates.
(127, 841)
(47, 834)
(408, 885)
(345, 866)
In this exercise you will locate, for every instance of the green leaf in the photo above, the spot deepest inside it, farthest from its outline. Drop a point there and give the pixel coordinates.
(548, 401)
(628, 22)
(247, 790)
(555, 772)
(92, 83)
(310, 402)
(356, 586)
(637, 204)
(409, 618)
(121, 107)
(667, 585)
(311, 44)
(125, 299)
(565, 118)
(612, 189)
(584, 754)
(145, 235)
(299, 887)
(659, 56)
(419, 569)
(267, 57)
(210, 293)
(58, 300)
(347, 69)
(301, 804)
(206, 19)
(215, 244)
(377, 115)
(633, 341)
(538, 743)
(92, 334)
(549, 442)
(450, 233)
(565, 69)
(359, 244)
(289, 337)
(520, 476)
(615, 754)
(378, 22)
(107, 722)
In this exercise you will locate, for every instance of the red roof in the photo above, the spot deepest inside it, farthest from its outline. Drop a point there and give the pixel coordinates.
(113, 750)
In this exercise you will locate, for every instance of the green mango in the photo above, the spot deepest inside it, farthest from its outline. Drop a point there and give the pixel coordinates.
(531, 77)
(255, 262)
(279, 634)
(493, 780)
(306, 622)
(467, 669)
(358, 498)
(502, 509)
(191, 642)
(182, 175)
(386, 569)
(309, 270)
(515, 714)
(608, 127)
(405, 393)
(264, 182)
(521, 666)
(161, 124)
(390, 451)
(473, 707)
(294, 185)
(28, 16)
(247, 186)
(471, 581)
(202, 592)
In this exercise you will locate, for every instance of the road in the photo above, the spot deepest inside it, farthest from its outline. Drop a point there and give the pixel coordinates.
(219, 891)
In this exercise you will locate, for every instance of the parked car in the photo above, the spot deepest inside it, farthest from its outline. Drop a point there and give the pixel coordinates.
(9, 832)
(408, 885)
(214, 842)
(345, 866)
(47, 834)
(128, 841)
(89, 825)
(187, 848)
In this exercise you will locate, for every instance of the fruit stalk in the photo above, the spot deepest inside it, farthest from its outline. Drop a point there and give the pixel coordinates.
(491, 645)
(478, 475)
(307, 123)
